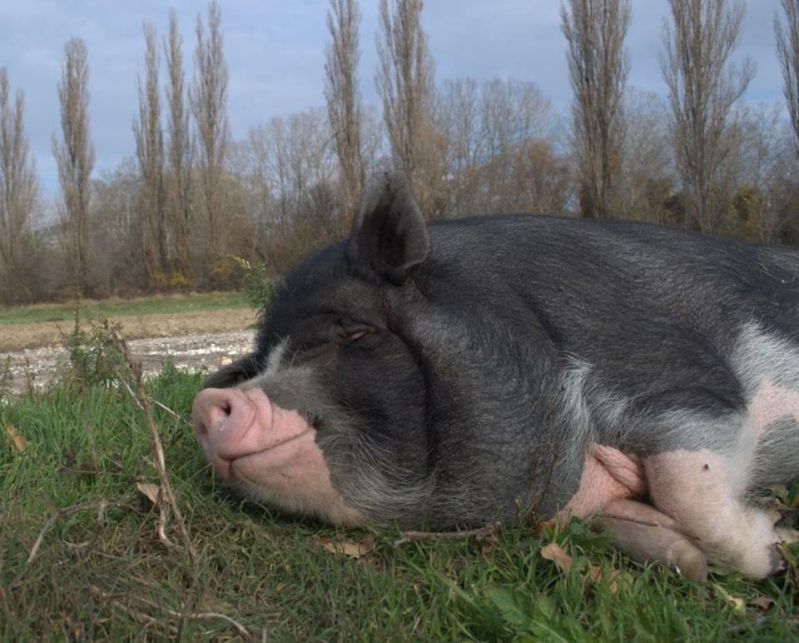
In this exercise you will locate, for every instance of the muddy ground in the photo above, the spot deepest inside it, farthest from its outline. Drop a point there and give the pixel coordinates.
(197, 341)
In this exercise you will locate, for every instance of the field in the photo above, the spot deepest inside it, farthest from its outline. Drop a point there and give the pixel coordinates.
(89, 550)
(46, 324)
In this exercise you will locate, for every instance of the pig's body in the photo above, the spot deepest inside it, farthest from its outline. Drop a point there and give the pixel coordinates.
(481, 369)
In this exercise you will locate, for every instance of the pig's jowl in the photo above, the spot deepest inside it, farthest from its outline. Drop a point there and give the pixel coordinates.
(467, 371)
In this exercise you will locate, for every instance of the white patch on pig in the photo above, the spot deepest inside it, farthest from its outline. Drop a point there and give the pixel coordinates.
(273, 361)
(768, 367)
(573, 403)
(582, 405)
(729, 434)
(607, 473)
(772, 402)
(760, 356)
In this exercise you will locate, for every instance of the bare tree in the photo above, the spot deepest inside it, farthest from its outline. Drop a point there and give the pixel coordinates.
(512, 115)
(760, 172)
(289, 169)
(74, 155)
(788, 54)
(646, 181)
(457, 117)
(343, 101)
(499, 149)
(703, 88)
(17, 191)
(598, 68)
(117, 265)
(150, 154)
(179, 150)
(208, 101)
(405, 84)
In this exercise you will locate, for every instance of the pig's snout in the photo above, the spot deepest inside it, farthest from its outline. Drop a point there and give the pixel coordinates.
(223, 420)
(241, 429)
(216, 408)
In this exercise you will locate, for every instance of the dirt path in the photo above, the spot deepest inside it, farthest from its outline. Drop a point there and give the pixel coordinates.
(15, 337)
(195, 341)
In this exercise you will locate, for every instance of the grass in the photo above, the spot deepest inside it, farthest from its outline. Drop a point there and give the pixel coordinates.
(106, 575)
(115, 307)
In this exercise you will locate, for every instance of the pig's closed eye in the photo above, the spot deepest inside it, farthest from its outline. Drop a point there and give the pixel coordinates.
(354, 333)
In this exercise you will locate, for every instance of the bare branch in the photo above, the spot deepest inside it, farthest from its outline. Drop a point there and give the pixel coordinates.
(419, 536)
(100, 507)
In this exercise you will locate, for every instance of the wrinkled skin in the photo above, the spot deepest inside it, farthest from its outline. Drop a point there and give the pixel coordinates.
(452, 374)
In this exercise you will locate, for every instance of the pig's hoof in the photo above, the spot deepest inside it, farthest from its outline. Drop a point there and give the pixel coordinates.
(763, 565)
(689, 561)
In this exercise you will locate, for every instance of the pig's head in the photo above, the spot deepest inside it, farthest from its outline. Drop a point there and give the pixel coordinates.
(346, 410)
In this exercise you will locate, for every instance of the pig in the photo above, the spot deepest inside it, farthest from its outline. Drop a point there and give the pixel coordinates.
(504, 368)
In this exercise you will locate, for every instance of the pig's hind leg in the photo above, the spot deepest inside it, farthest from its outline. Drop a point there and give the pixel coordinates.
(705, 493)
(647, 535)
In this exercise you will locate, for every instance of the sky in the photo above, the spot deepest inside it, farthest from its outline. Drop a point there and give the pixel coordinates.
(275, 55)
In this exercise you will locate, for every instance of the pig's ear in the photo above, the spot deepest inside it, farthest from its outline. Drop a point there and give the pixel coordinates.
(389, 233)
(240, 371)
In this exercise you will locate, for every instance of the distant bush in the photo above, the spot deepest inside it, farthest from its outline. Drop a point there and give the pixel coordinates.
(171, 281)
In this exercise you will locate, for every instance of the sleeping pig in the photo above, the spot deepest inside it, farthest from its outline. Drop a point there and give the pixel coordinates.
(497, 368)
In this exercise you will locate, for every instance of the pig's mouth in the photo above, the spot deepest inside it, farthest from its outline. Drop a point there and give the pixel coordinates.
(242, 427)
(276, 457)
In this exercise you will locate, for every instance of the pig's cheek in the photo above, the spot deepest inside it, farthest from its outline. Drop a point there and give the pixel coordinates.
(293, 468)
(295, 475)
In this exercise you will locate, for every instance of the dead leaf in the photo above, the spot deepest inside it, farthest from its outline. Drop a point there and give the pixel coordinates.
(595, 573)
(556, 554)
(487, 544)
(150, 491)
(543, 526)
(349, 548)
(18, 443)
(763, 603)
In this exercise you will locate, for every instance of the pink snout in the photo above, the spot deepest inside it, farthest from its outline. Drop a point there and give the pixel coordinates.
(232, 424)
(223, 420)
(269, 452)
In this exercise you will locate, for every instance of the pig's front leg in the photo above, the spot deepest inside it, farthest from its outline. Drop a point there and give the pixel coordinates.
(704, 492)
(647, 535)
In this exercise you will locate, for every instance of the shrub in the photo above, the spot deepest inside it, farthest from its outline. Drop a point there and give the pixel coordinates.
(256, 284)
